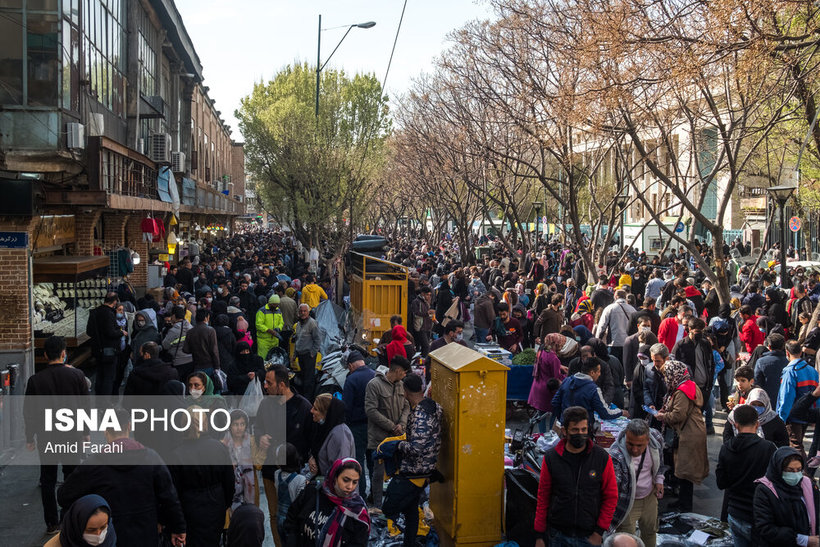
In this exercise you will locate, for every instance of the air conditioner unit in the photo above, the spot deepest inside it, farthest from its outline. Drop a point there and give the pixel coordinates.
(96, 125)
(178, 162)
(75, 140)
(161, 148)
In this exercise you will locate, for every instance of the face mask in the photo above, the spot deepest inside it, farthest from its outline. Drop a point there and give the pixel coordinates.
(760, 410)
(792, 478)
(197, 393)
(219, 291)
(646, 329)
(577, 440)
(140, 324)
(209, 300)
(459, 337)
(94, 539)
(120, 315)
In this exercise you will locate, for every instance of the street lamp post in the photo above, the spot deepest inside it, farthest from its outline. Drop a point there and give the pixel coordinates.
(781, 195)
(620, 202)
(319, 65)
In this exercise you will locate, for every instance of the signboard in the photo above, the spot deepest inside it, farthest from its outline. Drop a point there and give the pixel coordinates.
(680, 227)
(795, 224)
(54, 231)
(13, 240)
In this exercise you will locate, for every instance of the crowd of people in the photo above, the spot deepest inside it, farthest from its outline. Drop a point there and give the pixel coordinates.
(219, 317)
(650, 340)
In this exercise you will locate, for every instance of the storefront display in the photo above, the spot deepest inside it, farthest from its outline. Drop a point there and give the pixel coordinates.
(66, 288)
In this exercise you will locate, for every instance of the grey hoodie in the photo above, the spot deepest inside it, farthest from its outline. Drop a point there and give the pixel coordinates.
(175, 340)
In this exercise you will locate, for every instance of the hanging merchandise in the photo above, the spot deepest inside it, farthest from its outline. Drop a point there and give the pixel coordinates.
(125, 265)
(172, 243)
(135, 258)
(153, 231)
(173, 221)
(147, 228)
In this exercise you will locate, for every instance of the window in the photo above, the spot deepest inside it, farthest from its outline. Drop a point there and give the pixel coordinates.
(11, 58)
(29, 53)
(104, 42)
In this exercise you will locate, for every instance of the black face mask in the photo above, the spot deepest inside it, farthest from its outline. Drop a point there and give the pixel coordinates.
(577, 440)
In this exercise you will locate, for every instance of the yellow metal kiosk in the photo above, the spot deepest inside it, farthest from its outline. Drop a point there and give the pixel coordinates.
(471, 390)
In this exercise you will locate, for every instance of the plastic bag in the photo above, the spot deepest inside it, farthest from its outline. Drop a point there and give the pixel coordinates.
(252, 398)
(221, 380)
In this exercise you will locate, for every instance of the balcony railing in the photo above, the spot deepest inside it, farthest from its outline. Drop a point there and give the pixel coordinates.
(116, 169)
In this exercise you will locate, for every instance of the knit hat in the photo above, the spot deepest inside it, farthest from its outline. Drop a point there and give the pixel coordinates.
(354, 356)
(274, 299)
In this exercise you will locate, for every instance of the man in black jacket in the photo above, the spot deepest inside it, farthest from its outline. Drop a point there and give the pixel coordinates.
(105, 342)
(743, 460)
(201, 342)
(770, 366)
(299, 430)
(56, 379)
(149, 377)
(136, 484)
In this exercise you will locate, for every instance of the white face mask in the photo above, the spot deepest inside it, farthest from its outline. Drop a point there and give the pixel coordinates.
(459, 337)
(94, 539)
(197, 393)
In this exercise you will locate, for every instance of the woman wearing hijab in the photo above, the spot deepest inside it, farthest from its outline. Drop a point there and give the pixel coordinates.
(86, 523)
(583, 314)
(245, 454)
(142, 330)
(682, 412)
(398, 344)
(771, 427)
(247, 366)
(333, 514)
(332, 439)
(786, 503)
(247, 528)
(547, 376)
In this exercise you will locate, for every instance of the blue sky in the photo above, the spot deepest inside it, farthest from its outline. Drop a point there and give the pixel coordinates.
(243, 41)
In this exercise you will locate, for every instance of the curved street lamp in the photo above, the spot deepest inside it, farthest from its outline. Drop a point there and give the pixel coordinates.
(781, 195)
(319, 64)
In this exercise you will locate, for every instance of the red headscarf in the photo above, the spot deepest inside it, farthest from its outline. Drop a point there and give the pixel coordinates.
(352, 506)
(397, 341)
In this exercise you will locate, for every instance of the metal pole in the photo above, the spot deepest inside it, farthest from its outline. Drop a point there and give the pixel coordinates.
(785, 282)
(318, 62)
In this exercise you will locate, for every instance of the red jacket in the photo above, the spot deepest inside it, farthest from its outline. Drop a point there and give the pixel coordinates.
(668, 332)
(596, 468)
(751, 335)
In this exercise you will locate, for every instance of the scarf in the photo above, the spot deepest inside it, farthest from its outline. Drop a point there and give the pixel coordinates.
(396, 345)
(676, 375)
(76, 518)
(352, 506)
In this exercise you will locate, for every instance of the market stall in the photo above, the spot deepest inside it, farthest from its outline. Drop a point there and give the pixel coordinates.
(66, 288)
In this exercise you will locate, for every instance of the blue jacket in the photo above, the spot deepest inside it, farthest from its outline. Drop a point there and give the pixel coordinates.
(768, 370)
(580, 390)
(353, 394)
(798, 378)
